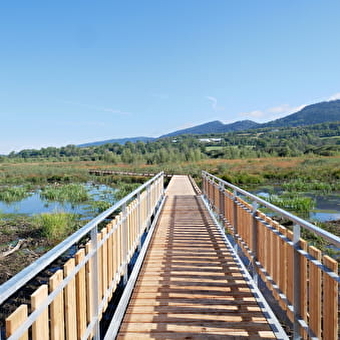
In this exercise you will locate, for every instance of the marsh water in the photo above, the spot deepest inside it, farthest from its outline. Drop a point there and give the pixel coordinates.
(326, 208)
(34, 204)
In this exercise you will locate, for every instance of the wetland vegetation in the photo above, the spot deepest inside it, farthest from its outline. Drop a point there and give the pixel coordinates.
(292, 166)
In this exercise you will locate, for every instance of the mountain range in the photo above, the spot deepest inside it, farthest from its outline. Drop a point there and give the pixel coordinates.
(312, 114)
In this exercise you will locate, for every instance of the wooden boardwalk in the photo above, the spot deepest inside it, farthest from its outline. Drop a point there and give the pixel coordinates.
(190, 286)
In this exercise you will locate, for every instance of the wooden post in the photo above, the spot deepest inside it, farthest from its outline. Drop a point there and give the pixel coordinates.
(81, 294)
(70, 303)
(57, 327)
(40, 328)
(315, 293)
(15, 320)
(330, 301)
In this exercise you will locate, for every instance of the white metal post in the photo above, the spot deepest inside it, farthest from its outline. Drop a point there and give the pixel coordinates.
(296, 281)
(95, 283)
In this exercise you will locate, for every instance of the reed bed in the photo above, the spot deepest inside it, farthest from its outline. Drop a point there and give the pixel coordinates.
(14, 194)
(72, 192)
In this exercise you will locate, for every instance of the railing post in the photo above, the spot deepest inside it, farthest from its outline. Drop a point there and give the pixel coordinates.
(139, 222)
(235, 218)
(95, 283)
(296, 287)
(221, 199)
(125, 243)
(235, 212)
(254, 240)
(148, 200)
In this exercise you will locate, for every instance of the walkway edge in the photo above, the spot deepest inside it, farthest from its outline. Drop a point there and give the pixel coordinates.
(263, 304)
(118, 316)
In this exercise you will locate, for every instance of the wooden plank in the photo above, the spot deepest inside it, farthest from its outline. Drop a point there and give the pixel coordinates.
(217, 327)
(40, 328)
(81, 294)
(15, 320)
(70, 303)
(57, 327)
(315, 293)
(330, 301)
(204, 335)
(189, 282)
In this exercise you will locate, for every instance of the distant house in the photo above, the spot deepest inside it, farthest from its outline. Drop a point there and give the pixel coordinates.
(210, 140)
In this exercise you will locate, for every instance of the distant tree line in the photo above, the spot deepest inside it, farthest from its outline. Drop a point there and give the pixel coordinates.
(321, 139)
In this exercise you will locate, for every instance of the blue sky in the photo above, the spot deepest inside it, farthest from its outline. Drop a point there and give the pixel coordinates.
(73, 72)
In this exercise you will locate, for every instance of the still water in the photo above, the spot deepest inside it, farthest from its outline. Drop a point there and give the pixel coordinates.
(34, 204)
(327, 206)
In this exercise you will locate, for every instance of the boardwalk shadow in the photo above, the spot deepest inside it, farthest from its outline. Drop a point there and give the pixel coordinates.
(201, 293)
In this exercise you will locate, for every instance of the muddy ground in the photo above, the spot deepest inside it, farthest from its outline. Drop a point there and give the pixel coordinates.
(33, 245)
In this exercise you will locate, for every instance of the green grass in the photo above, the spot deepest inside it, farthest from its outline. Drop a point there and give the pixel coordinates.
(124, 189)
(14, 194)
(216, 147)
(293, 202)
(73, 193)
(303, 185)
(100, 206)
(56, 226)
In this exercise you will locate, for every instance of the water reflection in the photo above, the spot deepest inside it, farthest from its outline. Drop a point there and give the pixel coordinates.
(34, 204)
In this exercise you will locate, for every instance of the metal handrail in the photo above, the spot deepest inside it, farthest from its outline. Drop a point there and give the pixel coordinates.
(333, 239)
(12, 285)
(249, 227)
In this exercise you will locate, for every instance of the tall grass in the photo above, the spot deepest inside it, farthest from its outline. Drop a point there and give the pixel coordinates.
(56, 226)
(302, 185)
(292, 202)
(124, 189)
(14, 194)
(73, 193)
(42, 173)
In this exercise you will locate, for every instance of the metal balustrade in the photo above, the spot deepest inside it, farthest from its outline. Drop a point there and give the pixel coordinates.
(303, 281)
(70, 305)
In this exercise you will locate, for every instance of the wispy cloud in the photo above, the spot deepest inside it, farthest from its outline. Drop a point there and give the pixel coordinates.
(272, 113)
(214, 104)
(335, 96)
(97, 108)
(115, 111)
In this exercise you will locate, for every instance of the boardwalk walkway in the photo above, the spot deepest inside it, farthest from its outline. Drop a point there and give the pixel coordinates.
(190, 286)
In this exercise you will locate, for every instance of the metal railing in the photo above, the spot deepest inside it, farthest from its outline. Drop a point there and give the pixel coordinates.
(70, 305)
(303, 281)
